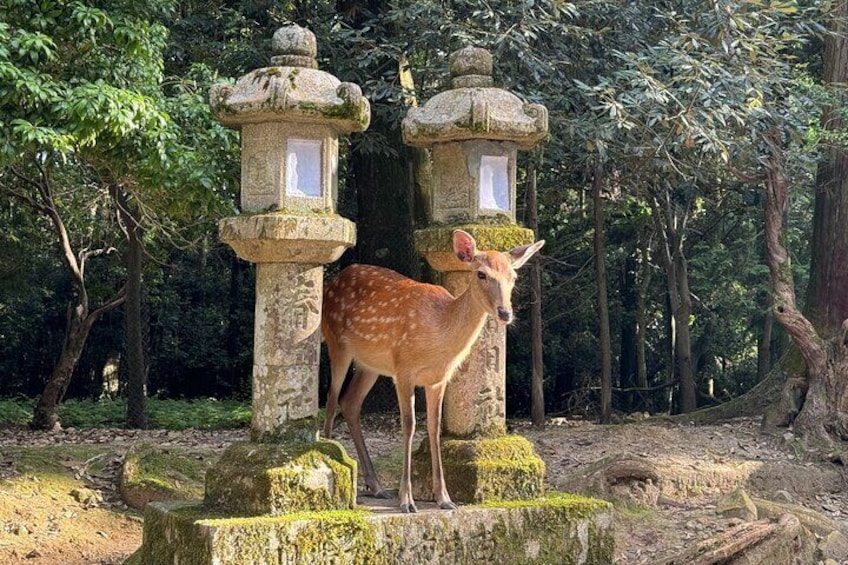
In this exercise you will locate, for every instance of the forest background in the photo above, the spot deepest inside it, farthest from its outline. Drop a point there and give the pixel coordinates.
(691, 187)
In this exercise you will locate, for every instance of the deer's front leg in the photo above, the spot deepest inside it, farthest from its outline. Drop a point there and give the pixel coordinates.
(406, 401)
(435, 394)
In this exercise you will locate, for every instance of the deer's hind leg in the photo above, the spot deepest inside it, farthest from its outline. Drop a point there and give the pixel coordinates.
(339, 363)
(360, 385)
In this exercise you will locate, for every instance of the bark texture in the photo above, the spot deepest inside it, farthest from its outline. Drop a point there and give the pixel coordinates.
(537, 389)
(670, 226)
(136, 417)
(603, 304)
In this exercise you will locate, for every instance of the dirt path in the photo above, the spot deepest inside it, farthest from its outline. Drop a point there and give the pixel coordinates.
(59, 504)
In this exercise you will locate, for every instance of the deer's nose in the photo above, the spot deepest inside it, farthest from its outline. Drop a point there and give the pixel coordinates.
(504, 314)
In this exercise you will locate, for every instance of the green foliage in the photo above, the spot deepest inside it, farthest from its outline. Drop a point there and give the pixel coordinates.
(15, 411)
(201, 414)
(205, 414)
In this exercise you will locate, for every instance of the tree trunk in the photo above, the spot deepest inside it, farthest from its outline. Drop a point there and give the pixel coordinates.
(821, 335)
(683, 313)
(628, 333)
(603, 305)
(804, 336)
(642, 315)
(669, 228)
(80, 318)
(827, 299)
(537, 389)
(764, 346)
(136, 417)
(79, 322)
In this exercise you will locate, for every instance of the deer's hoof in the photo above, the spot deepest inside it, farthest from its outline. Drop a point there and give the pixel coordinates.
(408, 508)
(447, 505)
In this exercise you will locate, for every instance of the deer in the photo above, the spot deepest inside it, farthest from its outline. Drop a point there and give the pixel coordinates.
(415, 333)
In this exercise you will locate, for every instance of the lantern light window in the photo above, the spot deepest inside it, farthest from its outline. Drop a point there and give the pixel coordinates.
(303, 168)
(494, 182)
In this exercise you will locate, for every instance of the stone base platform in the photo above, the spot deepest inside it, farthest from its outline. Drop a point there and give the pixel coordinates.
(558, 529)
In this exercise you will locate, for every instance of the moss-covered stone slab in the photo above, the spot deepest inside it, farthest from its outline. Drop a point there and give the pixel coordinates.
(560, 529)
(436, 243)
(253, 479)
(480, 470)
(150, 473)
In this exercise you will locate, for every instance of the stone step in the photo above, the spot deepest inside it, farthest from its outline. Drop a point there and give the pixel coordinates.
(556, 529)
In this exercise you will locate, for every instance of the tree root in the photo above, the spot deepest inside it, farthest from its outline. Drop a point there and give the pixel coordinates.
(785, 541)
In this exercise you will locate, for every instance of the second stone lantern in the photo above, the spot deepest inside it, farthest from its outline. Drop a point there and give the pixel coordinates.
(474, 131)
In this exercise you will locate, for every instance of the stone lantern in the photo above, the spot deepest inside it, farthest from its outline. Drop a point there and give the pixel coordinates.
(473, 131)
(290, 116)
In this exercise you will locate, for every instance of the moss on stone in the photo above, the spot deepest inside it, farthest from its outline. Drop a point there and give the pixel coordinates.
(347, 111)
(134, 559)
(497, 233)
(575, 505)
(476, 470)
(171, 474)
(556, 529)
(170, 538)
(547, 516)
(254, 479)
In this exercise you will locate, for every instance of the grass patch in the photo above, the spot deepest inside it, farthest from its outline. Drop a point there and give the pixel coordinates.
(204, 414)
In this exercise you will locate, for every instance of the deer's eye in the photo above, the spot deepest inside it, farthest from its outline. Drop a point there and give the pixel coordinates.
(481, 275)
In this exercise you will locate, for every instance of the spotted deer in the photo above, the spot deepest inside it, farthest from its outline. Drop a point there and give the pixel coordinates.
(417, 334)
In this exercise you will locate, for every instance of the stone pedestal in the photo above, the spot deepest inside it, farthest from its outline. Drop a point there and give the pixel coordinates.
(255, 479)
(287, 336)
(482, 469)
(285, 469)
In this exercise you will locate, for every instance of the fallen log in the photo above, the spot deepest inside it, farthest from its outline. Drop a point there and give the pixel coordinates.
(784, 541)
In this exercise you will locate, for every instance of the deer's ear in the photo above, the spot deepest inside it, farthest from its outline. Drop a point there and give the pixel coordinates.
(520, 255)
(464, 246)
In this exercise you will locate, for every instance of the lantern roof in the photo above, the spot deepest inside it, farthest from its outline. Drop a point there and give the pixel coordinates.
(292, 89)
(474, 109)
